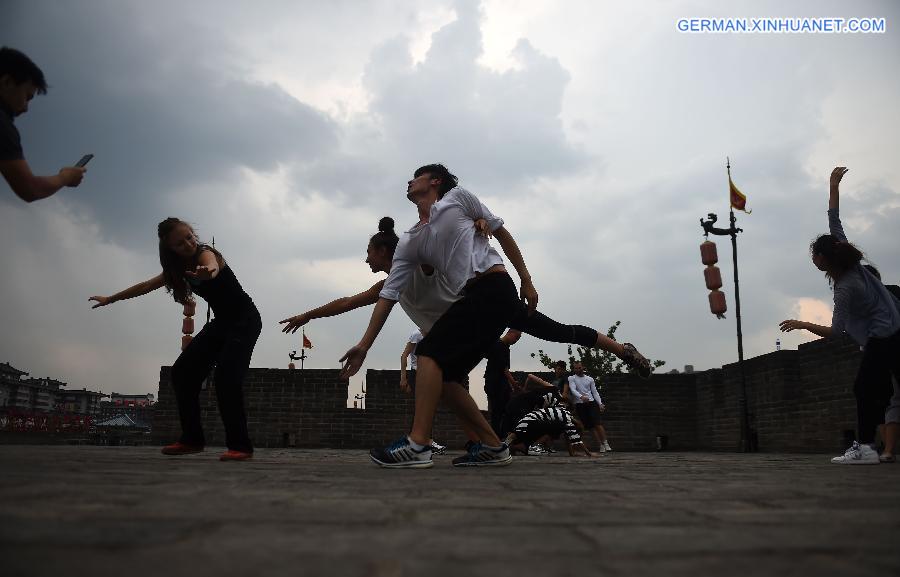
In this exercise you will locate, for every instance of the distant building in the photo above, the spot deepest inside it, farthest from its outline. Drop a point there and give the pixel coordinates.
(123, 422)
(31, 395)
(688, 369)
(9, 383)
(45, 395)
(83, 402)
(120, 400)
(137, 409)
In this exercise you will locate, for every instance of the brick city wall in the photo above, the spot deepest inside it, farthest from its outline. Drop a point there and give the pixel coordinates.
(799, 401)
(293, 408)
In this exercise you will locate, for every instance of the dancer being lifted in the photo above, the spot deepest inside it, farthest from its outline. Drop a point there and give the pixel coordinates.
(227, 342)
(428, 295)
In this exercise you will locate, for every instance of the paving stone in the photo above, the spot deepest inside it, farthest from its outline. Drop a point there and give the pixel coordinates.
(105, 510)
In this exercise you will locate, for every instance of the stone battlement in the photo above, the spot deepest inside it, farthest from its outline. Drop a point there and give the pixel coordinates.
(799, 401)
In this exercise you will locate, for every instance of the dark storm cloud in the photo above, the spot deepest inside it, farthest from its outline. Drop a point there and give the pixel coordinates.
(155, 105)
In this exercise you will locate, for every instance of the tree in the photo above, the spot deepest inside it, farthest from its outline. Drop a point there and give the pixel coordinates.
(597, 363)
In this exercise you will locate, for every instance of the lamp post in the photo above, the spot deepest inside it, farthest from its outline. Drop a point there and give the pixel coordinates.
(301, 357)
(747, 445)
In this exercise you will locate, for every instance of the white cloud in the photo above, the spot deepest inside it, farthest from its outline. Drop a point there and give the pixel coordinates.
(596, 130)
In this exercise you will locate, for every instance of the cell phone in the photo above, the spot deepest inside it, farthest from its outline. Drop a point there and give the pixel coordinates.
(84, 160)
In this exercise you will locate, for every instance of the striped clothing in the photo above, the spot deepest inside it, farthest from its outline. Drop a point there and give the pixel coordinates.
(523, 403)
(551, 421)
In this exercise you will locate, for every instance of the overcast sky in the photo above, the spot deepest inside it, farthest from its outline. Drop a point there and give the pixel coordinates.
(286, 129)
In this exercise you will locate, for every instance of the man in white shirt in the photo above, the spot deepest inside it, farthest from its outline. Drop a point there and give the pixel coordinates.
(445, 239)
(588, 405)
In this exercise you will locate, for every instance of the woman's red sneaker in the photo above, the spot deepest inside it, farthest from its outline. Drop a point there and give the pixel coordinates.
(230, 455)
(181, 449)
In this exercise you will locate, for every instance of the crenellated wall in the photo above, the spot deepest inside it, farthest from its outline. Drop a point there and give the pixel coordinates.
(799, 401)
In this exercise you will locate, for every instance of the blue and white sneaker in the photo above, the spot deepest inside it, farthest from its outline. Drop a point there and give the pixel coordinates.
(402, 455)
(481, 456)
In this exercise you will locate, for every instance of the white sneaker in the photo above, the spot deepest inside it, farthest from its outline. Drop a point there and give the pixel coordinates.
(437, 448)
(606, 447)
(857, 455)
(601, 448)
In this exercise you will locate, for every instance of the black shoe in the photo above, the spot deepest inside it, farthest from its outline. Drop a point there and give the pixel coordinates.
(481, 456)
(636, 361)
(401, 455)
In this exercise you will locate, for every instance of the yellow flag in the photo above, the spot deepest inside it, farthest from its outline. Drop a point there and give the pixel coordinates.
(738, 200)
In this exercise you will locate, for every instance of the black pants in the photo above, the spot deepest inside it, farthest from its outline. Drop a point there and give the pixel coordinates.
(498, 395)
(873, 388)
(471, 326)
(227, 344)
(540, 326)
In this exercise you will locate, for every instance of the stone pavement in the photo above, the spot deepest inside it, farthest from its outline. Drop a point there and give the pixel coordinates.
(130, 511)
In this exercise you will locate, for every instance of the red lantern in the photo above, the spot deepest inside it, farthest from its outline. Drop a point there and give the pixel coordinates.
(187, 326)
(717, 305)
(708, 253)
(190, 308)
(713, 277)
(185, 341)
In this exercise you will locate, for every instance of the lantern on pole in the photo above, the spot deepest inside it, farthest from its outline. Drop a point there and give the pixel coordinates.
(187, 324)
(713, 277)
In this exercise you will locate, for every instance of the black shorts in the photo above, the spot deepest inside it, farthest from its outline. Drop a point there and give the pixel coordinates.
(588, 414)
(471, 326)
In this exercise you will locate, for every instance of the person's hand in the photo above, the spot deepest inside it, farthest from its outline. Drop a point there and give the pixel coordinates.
(352, 361)
(404, 385)
(101, 301)
(293, 323)
(837, 174)
(201, 272)
(72, 175)
(482, 229)
(791, 325)
(602, 408)
(529, 295)
(584, 397)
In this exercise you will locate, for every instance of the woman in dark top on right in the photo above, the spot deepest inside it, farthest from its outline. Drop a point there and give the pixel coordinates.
(869, 314)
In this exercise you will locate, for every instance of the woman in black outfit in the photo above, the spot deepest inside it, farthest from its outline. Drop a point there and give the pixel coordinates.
(227, 341)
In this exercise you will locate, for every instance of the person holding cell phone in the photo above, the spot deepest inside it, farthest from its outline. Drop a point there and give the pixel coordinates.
(226, 342)
(20, 80)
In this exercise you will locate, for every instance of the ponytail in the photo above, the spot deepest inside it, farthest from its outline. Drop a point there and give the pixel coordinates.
(385, 237)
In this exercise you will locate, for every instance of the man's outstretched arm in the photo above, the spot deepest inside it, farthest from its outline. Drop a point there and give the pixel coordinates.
(30, 187)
